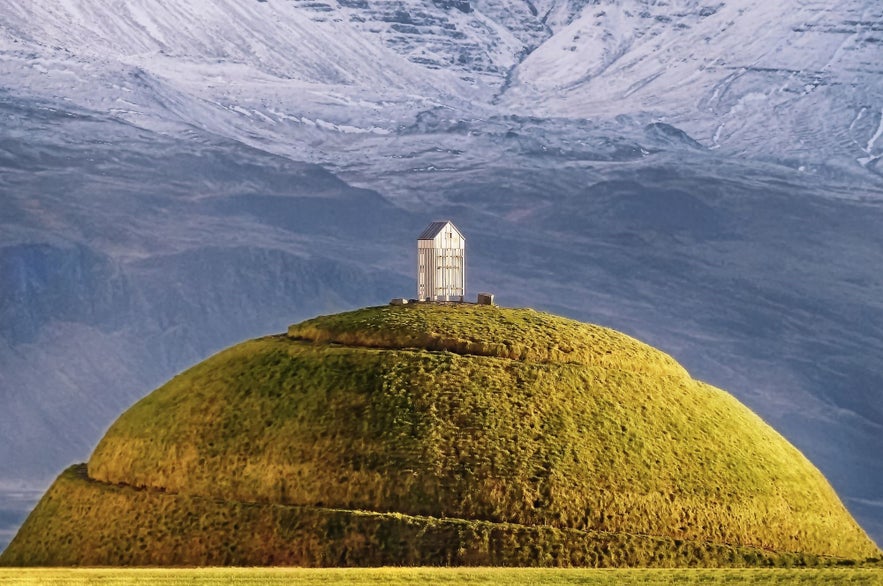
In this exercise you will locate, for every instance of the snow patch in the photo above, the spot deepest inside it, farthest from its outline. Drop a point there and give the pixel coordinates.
(873, 140)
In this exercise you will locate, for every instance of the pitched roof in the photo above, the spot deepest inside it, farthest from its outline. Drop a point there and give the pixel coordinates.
(434, 228)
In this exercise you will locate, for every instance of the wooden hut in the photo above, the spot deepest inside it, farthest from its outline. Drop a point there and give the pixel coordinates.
(441, 263)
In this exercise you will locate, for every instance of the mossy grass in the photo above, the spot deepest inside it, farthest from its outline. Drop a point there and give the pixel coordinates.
(486, 330)
(487, 417)
(168, 529)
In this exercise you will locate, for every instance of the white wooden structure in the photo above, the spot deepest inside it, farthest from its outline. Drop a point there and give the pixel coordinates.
(441, 263)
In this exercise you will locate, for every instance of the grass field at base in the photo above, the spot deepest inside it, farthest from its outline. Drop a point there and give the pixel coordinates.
(394, 576)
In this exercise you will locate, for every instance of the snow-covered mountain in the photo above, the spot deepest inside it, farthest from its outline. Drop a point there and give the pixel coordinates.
(178, 175)
(793, 81)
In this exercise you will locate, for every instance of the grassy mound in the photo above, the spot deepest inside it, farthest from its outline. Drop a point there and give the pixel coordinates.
(517, 334)
(186, 530)
(454, 416)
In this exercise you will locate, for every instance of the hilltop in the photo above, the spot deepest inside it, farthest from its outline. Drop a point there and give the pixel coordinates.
(440, 434)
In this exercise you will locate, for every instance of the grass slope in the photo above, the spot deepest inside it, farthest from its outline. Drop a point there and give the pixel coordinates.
(463, 414)
(187, 530)
(517, 334)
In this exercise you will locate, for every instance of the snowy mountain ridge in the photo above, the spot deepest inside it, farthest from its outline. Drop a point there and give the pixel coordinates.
(747, 76)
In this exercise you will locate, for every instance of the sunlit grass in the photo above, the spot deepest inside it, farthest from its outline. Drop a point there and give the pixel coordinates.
(441, 435)
(466, 576)
(480, 330)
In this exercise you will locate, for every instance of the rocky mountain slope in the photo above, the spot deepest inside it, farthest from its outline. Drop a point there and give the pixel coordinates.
(177, 176)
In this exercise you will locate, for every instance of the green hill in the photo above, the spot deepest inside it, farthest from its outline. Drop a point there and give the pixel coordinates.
(440, 434)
